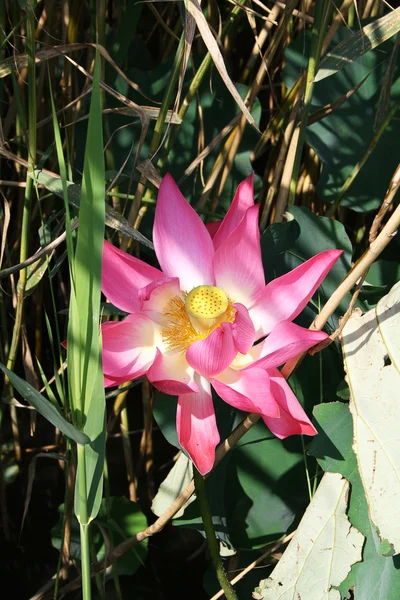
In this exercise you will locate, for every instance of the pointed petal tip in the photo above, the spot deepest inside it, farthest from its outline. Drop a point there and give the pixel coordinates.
(183, 246)
(196, 426)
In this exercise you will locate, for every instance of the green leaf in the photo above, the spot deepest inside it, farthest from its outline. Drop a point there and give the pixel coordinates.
(318, 234)
(257, 491)
(266, 487)
(95, 428)
(85, 376)
(359, 43)
(277, 239)
(343, 391)
(260, 471)
(45, 408)
(35, 273)
(342, 138)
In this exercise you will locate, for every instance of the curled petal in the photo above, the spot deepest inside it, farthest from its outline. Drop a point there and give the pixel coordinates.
(155, 296)
(123, 275)
(182, 243)
(285, 297)
(215, 353)
(171, 374)
(197, 427)
(237, 262)
(247, 390)
(243, 199)
(111, 381)
(293, 420)
(285, 341)
(243, 330)
(129, 347)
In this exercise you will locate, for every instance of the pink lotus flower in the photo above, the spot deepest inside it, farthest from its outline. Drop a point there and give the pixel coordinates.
(193, 325)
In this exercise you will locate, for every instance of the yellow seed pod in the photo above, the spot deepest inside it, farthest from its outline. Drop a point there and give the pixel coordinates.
(206, 302)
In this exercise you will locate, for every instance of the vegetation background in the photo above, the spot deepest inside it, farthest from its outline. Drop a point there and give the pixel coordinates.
(324, 151)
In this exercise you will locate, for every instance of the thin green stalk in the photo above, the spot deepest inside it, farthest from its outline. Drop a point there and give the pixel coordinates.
(26, 218)
(322, 9)
(159, 126)
(212, 541)
(84, 526)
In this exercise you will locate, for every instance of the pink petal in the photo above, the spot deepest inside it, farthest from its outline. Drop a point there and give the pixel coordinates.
(247, 390)
(215, 353)
(285, 341)
(182, 243)
(129, 347)
(155, 296)
(244, 199)
(171, 374)
(237, 262)
(213, 227)
(123, 275)
(111, 382)
(293, 420)
(197, 427)
(285, 297)
(243, 330)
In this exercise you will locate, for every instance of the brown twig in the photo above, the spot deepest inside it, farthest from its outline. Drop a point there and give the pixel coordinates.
(387, 202)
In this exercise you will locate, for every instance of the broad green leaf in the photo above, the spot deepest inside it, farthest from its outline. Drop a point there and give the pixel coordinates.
(120, 519)
(342, 138)
(85, 374)
(113, 219)
(359, 43)
(45, 408)
(95, 428)
(316, 235)
(374, 406)
(260, 471)
(376, 576)
(343, 391)
(322, 550)
(265, 489)
(35, 274)
(277, 239)
(332, 447)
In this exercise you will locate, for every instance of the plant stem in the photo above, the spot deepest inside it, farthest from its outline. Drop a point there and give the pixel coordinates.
(211, 537)
(83, 524)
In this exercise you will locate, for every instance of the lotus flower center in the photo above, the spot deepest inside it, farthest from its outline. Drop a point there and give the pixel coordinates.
(206, 302)
(192, 316)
